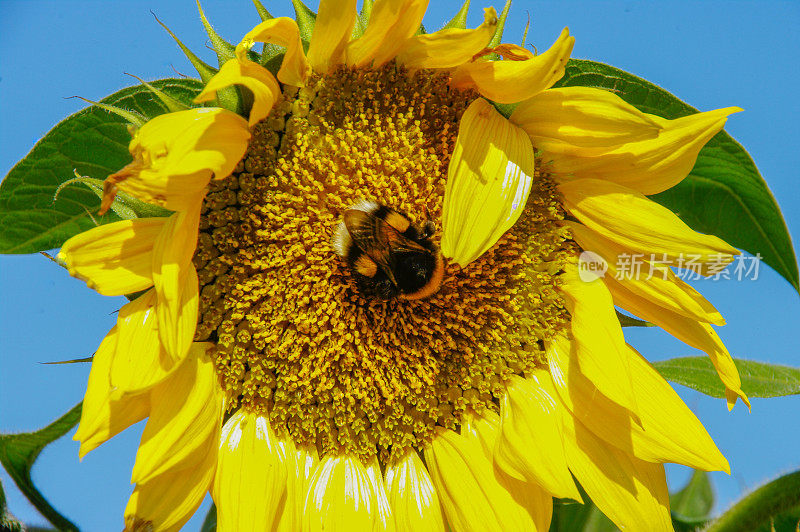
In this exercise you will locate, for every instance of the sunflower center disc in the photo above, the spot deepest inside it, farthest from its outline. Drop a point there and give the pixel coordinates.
(294, 338)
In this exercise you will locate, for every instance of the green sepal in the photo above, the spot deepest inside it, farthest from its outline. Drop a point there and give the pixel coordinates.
(8, 523)
(204, 70)
(172, 105)
(306, 19)
(724, 194)
(124, 205)
(210, 522)
(759, 379)
(459, 20)
(501, 23)
(91, 142)
(362, 20)
(692, 504)
(131, 117)
(18, 452)
(225, 51)
(262, 11)
(630, 321)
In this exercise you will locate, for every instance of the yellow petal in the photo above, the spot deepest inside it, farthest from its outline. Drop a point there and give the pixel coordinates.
(514, 81)
(343, 495)
(115, 259)
(256, 78)
(412, 497)
(639, 224)
(175, 155)
(175, 281)
(103, 417)
(281, 31)
(664, 430)
(476, 496)
(631, 492)
(140, 362)
(598, 351)
(488, 182)
(167, 501)
(391, 23)
(583, 116)
(300, 468)
(529, 421)
(250, 487)
(701, 336)
(648, 165)
(448, 48)
(654, 282)
(332, 29)
(185, 413)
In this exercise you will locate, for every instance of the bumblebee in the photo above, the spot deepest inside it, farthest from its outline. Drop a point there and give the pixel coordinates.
(387, 254)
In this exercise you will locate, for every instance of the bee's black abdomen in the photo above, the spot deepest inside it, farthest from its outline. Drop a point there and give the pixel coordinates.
(414, 270)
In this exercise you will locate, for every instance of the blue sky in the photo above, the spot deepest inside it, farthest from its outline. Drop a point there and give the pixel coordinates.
(710, 54)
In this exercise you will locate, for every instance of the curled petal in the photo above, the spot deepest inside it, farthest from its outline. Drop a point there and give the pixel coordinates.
(185, 418)
(641, 225)
(332, 30)
(391, 23)
(257, 79)
(448, 48)
(701, 336)
(663, 429)
(281, 31)
(648, 165)
(250, 488)
(412, 497)
(598, 351)
(345, 495)
(585, 117)
(514, 81)
(102, 416)
(488, 182)
(176, 154)
(115, 259)
(656, 282)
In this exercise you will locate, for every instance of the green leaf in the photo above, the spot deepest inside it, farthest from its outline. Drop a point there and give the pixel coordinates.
(759, 379)
(18, 452)
(724, 194)
(776, 502)
(210, 522)
(696, 499)
(92, 142)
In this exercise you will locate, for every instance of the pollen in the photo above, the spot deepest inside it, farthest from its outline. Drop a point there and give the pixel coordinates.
(295, 339)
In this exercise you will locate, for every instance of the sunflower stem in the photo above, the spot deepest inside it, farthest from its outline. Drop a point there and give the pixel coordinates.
(768, 501)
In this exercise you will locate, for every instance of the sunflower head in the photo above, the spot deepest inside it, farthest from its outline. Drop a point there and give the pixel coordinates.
(311, 401)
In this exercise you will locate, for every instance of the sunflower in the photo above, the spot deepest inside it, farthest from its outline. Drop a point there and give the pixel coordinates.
(270, 379)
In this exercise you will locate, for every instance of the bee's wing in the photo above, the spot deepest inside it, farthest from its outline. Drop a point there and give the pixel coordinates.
(379, 240)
